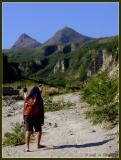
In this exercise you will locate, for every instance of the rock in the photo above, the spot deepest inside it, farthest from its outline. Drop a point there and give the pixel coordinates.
(8, 115)
(70, 132)
(55, 125)
(50, 124)
(93, 131)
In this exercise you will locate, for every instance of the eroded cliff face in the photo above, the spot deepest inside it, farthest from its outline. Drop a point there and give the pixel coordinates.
(107, 60)
(102, 61)
(61, 65)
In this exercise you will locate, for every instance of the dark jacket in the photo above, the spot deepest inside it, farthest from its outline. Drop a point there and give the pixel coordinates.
(41, 114)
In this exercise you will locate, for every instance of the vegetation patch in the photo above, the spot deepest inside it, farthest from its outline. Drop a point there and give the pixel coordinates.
(51, 105)
(16, 137)
(101, 93)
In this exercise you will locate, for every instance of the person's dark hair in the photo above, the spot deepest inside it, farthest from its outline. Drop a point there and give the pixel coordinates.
(34, 93)
(24, 89)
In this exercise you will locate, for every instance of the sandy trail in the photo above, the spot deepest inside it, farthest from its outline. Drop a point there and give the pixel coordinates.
(67, 133)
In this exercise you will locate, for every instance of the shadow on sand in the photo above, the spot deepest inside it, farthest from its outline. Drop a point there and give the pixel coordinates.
(82, 145)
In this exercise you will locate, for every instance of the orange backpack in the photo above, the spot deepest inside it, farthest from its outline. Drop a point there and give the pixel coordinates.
(31, 107)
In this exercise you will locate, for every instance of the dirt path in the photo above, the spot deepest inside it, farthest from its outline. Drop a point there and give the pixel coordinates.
(67, 133)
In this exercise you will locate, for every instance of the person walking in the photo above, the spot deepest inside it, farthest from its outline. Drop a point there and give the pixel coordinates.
(33, 116)
(25, 92)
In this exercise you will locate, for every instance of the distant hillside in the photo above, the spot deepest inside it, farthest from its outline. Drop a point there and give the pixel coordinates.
(11, 71)
(66, 36)
(25, 41)
(64, 62)
(71, 64)
(81, 62)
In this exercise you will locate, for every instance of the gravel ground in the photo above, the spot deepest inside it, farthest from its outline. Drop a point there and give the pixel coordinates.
(66, 133)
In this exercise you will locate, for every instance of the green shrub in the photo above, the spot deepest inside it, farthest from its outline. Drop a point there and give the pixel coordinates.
(100, 92)
(17, 137)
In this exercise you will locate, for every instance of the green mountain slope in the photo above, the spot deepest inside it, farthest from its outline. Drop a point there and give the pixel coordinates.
(66, 64)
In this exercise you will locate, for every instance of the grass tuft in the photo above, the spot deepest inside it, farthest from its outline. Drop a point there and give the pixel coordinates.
(16, 137)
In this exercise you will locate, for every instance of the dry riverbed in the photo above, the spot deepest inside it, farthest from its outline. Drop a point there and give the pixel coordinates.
(66, 133)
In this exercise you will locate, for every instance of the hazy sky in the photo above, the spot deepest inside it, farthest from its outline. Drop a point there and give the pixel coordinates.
(41, 20)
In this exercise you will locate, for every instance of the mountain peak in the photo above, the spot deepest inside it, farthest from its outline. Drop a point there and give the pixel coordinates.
(66, 28)
(25, 41)
(67, 35)
(24, 35)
